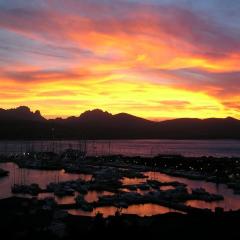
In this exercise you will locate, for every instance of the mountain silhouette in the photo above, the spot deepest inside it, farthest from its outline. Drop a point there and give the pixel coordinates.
(22, 123)
(20, 113)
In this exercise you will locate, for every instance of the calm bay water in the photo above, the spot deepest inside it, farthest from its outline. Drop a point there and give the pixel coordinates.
(217, 148)
(42, 177)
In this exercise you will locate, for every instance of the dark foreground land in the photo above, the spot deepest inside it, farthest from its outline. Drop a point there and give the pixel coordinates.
(31, 219)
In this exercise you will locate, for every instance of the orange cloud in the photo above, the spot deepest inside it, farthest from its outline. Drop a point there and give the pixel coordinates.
(151, 61)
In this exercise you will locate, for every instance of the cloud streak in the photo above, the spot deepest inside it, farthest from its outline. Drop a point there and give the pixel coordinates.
(122, 56)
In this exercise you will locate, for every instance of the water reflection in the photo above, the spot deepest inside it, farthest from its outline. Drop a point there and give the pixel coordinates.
(231, 200)
(234, 205)
(42, 177)
(137, 191)
(143, 147)
(131, 181)
(165, 188)
(92, 196)
(28, 176)
(141, 210)
(147, 209)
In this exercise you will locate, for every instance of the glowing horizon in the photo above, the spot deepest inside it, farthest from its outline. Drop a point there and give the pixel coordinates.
(157, 59)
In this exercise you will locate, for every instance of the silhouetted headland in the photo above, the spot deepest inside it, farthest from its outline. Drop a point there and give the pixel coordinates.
(21, 123)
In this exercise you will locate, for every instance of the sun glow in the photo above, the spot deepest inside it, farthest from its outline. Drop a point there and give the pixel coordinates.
(156, 62)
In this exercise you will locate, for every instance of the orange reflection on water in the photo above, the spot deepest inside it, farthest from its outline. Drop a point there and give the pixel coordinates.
(142, 210)
(106, 211)
(227, 205)
(130, 181)
(147, 209)
(165, 188)
(202, 204)
(92, 196)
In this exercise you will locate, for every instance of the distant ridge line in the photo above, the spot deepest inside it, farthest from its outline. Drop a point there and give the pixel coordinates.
(22, 123)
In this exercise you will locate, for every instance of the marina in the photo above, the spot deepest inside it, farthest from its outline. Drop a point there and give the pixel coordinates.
(108, 176)
(76, 190)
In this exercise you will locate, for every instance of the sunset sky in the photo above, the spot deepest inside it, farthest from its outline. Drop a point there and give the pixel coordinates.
(157, 59)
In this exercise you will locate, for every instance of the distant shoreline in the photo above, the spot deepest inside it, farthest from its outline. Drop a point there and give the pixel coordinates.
(129, 147)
